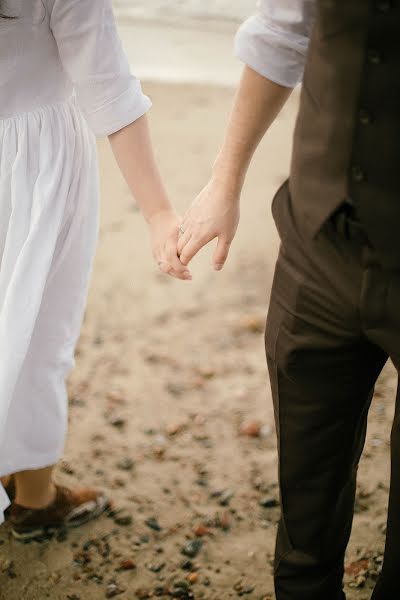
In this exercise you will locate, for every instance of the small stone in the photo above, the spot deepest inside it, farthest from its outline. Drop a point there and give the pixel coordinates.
(175, 389)
(156, 568)
(181, 585)
(187, 565)
(223, 521)
(269, 502)
(357, 567)
(192, 549)
(201, 530)
(122, 518)
(251, 429)
(202, 482)
(175, 428)
(125, 464)
(116, 420)
(247, 590)
(193, 578)
(254, 324)
(359, 582)
(226, 497)
(152, 523)
(127, 565)
(113, 590)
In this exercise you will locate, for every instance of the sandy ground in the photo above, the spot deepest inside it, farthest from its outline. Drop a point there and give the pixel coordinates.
(170, 383)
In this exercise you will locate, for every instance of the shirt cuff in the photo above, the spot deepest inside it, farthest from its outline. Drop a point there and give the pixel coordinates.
(264, 52)
(120, 112)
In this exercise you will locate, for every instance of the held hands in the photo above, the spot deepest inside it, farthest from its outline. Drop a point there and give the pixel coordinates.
(164, 233)
(214, 214)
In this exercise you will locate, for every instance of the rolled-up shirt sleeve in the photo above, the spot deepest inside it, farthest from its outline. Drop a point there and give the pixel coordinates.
(275, 40)
(92, 55)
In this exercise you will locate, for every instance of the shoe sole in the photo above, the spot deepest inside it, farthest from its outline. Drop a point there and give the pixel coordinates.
(43, 533)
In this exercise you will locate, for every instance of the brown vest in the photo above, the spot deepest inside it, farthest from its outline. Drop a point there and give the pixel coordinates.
(347, 137)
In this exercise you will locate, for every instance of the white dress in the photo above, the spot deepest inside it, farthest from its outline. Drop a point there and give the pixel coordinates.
(64, 79)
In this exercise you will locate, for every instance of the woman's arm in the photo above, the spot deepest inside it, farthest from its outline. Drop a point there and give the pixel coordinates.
(134, 154)
(114, 105)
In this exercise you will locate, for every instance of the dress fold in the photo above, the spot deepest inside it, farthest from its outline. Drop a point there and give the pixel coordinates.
(48, 178)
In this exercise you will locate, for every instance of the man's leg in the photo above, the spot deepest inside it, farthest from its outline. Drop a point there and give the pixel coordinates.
(382, 301)
(388, 586)
(322, 374)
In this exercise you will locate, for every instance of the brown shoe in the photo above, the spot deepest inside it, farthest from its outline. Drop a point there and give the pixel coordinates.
(69, 509)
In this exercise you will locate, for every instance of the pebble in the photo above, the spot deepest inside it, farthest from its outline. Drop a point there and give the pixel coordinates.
(181, 590)
(113, 590)
(223, 521)
(202, 482)
(116, 420)
(192, 549)
(122, 518)
(201, 530)
(193, 577)
(251, 428)
(226, 497)
(187, 565)
(156, 568)
(153, 524)
(125, 464)
(253, 324)
(127, 565)
(359, 582)
(269, 502)
(176, 428)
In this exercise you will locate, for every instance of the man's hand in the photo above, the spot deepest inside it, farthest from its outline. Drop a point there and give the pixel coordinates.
(164, 232)
(214, 214)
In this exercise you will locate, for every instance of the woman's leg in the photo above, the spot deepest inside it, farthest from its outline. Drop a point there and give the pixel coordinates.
(35, 489)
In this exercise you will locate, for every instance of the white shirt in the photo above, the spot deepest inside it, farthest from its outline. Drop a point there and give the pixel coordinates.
(57, 47)
(275, 40)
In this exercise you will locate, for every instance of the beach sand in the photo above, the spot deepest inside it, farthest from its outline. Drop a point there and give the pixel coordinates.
(170, 404)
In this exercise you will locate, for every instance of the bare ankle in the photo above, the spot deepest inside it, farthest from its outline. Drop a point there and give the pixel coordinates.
(36, 500)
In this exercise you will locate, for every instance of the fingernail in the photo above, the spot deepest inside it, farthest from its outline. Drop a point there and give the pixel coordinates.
(218, 267)
(188, 276)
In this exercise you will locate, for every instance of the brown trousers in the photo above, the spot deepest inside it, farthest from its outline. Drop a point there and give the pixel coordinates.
(333, 321)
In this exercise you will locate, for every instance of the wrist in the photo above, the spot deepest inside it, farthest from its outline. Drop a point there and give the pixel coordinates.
(230, 175)
(162, 212)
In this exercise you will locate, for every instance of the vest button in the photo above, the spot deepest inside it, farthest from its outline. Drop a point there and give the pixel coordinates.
(357, 174)
(374, 57)
(383, 5)
(365, 117)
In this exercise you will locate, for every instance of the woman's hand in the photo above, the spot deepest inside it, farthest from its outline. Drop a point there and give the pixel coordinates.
(214, 214)
(164, 233)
